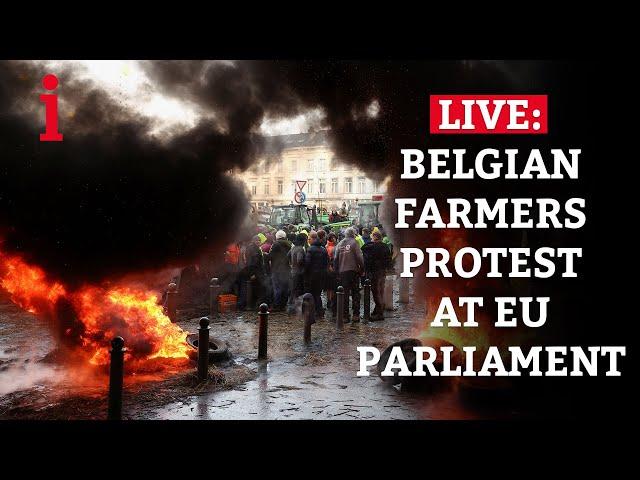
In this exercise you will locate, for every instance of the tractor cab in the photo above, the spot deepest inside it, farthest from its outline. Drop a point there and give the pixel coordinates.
(297, 215)
(367, 213)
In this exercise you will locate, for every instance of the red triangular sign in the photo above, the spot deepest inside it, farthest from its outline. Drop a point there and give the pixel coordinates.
(301, 184)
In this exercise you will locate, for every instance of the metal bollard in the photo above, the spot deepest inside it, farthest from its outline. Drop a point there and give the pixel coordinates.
(250, 299)
(203, 349)
(308, 315)
(367, 300)
(340, 307)
(263, 324)
(403, 288)
(214, 291)
(172, 302)
(116, 373)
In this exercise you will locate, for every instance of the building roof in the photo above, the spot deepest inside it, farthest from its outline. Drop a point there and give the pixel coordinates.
(312, 139)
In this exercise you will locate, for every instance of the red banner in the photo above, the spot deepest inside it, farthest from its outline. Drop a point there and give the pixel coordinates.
(488, 114)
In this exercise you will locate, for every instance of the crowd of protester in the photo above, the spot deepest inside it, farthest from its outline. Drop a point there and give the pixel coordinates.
(281, 266)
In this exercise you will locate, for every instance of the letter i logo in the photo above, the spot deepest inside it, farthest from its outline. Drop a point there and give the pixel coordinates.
(51, 134)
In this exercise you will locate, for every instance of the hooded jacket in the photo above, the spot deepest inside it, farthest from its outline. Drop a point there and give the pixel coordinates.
(296, 259)
(377, 257)
(277, 257)
(316, 260)
(348, 256)
(255, 260)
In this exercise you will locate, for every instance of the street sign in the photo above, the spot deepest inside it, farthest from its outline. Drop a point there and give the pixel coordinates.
(299, 197)
(301, 184)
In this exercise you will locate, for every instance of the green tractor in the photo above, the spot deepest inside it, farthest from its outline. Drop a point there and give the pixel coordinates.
(302, 217)
(367, 213)
(282, 215)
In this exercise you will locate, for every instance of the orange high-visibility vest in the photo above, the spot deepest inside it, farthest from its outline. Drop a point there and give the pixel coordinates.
(232, 255)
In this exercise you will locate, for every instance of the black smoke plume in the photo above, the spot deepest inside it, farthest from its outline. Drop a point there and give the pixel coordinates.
(111, 199)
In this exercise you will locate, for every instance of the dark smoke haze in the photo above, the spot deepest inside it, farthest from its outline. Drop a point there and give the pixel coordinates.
(112, 200)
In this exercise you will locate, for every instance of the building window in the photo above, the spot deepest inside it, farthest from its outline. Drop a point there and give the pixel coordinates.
(348, 182)
(279, 166)
(361, 184)
(334, 185)
(310, 165)
(321, 165)
(321, 186)
(280, 186)
(294, 166)
(376, 186)
(254, 190)
(266, 187)
(310, 186)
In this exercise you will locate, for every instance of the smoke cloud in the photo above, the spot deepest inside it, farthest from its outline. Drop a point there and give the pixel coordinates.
(111, 199)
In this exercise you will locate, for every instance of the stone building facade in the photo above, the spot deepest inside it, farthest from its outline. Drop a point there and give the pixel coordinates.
(307, 157)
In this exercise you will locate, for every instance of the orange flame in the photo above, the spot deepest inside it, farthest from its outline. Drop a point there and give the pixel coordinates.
(28, 285)
(104, 312)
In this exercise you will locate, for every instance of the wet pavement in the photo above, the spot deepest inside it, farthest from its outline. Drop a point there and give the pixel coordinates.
(283, 391)
(297, 381)
(316, 381)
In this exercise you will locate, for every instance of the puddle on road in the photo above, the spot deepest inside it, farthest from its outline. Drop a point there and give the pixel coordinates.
(282, 390)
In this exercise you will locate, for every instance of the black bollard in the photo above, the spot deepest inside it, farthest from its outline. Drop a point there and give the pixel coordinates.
(116, 373)
(308, 315)
(214, 291)
(250, 296)
(203, 349)
(340, 307)
(172, 302)
(263, 324)
(367, 300)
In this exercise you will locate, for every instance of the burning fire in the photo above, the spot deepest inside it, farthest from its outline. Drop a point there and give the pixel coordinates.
(102, 312)
(28, 286)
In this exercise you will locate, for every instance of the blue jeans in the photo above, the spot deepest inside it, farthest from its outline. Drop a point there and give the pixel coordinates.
(280, 283)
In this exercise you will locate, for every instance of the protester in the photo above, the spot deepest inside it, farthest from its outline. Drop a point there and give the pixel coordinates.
(386, 240)
(358, 238)
(377, 260)
(231, 270)
(266, 245)
(315, 263)
(280, 270)
(366, 235)
(252, 270)
(296, 258)
(322, 237)
(349, 264)
(291, 233)
(306, 238)
(330, 284)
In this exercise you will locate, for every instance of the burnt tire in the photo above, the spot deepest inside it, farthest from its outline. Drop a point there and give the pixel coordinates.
(406, 346)
(218, 350)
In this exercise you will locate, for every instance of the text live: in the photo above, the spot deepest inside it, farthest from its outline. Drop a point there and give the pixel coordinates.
(486, 114)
